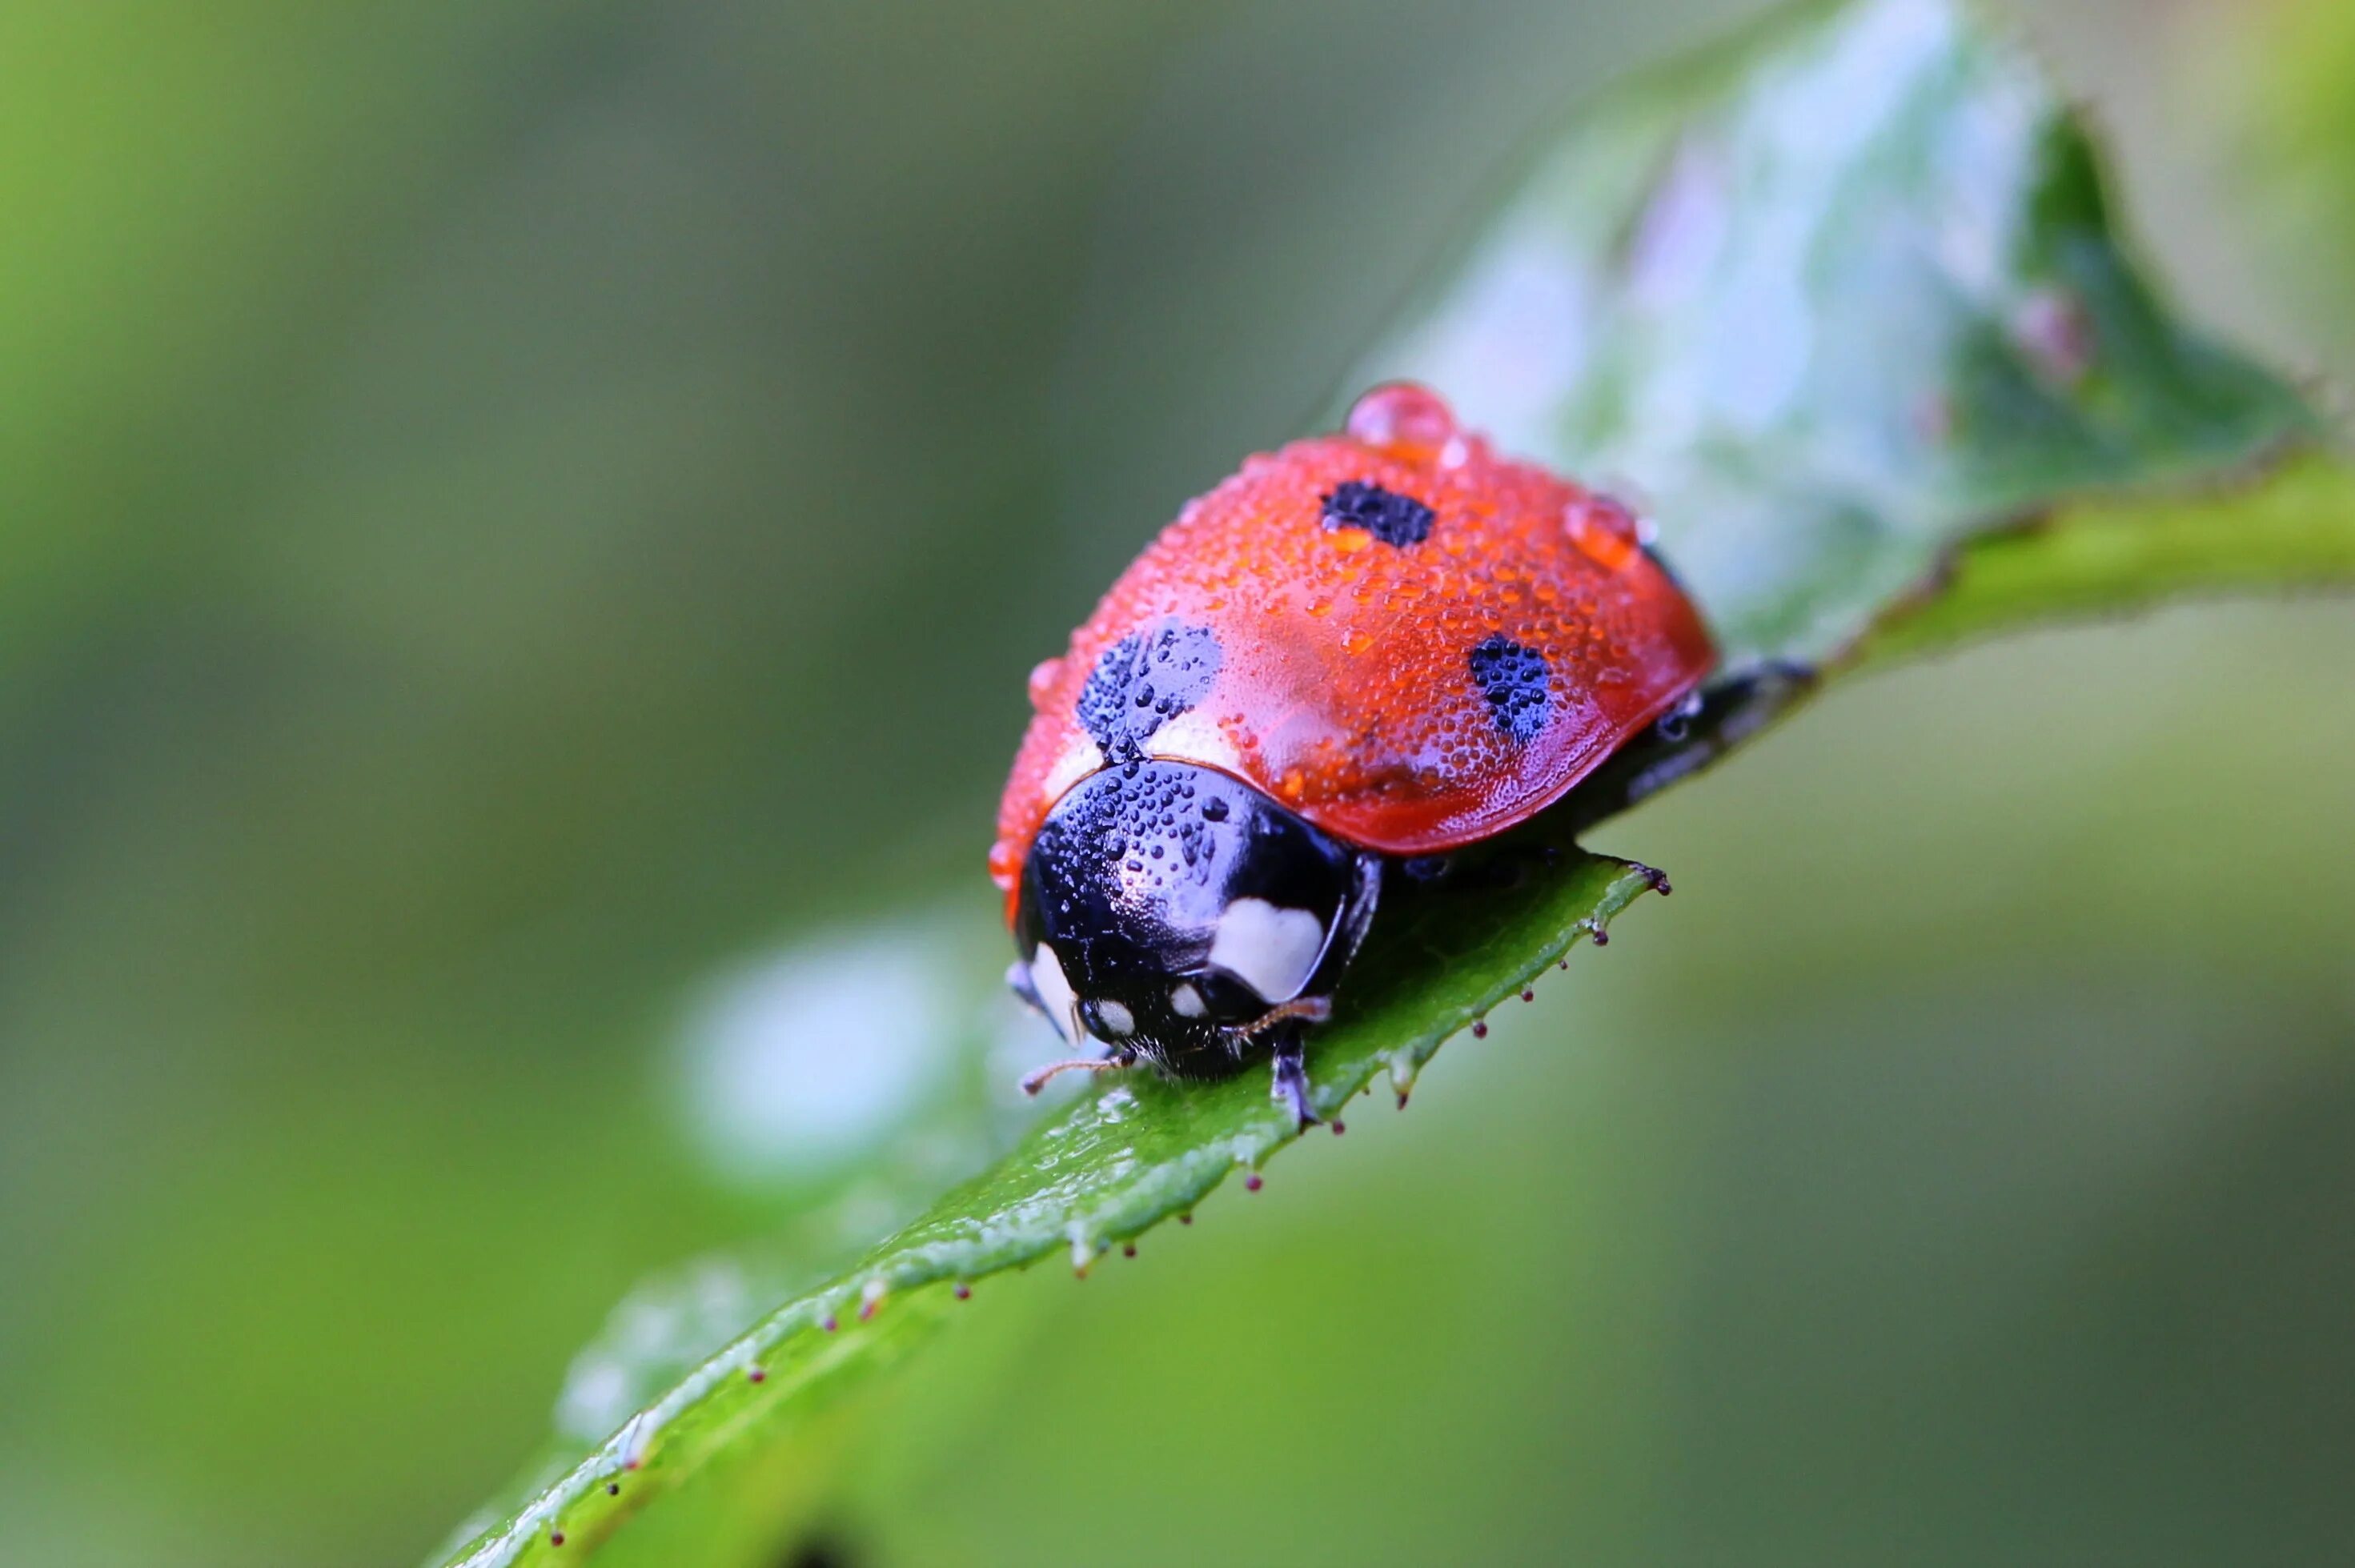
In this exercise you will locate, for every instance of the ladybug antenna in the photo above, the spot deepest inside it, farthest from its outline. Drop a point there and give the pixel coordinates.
(1308, 1009)
(1037, 1081)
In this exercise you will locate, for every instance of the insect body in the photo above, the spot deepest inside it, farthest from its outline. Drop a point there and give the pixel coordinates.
(1384, 644)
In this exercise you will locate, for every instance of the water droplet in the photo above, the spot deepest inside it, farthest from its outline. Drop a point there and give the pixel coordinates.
(963, 1291)
(1005, 864)
(1252, 1183)
(1479, 1028)
(1403, 418)
(1605, 531)
(756, 1374)
(1043, 675)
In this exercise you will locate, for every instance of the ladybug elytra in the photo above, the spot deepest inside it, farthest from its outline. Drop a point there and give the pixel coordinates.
(1370, 647)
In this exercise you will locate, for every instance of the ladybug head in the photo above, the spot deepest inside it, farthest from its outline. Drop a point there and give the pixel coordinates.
(1172, 913)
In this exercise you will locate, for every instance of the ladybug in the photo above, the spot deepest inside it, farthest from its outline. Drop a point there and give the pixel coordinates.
(1359, 653)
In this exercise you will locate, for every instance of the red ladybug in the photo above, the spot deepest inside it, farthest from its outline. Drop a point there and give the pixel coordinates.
(1371, 646)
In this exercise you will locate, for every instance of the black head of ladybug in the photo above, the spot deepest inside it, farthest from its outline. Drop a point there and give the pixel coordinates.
(1177, 915)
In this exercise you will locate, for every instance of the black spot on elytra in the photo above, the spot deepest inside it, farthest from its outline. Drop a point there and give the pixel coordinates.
(1142, 681)
(1393, 518)
(1518, 685)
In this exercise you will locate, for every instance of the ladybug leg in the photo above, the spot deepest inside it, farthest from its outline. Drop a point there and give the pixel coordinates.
(1488, 866)
(1017, 980)
(1423, 871)
(1690, 736)
(1683, 741)
(1291, 1086)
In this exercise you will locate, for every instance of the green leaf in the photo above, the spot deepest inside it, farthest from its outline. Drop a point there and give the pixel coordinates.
(1829, 303)
(1841, 307)
(2287, 527)
(1117, 1162)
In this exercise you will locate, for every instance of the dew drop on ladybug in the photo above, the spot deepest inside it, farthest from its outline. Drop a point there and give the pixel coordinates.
(1605, 531)
(1381, 646)
(1403, 419)
(1042, 681)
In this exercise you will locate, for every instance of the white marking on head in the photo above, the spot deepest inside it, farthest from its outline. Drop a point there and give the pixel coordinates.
(1273, 951)
(1055, 995)
(1187, 1002)
(1117, 1021)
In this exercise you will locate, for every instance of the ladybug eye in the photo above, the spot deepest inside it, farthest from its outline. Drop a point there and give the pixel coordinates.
(1109, 1021)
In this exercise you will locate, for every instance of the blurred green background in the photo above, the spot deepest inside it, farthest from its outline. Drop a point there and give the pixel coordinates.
(513, 515)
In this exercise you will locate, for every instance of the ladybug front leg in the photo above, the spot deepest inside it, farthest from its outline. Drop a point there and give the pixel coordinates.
(1290, 1088)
